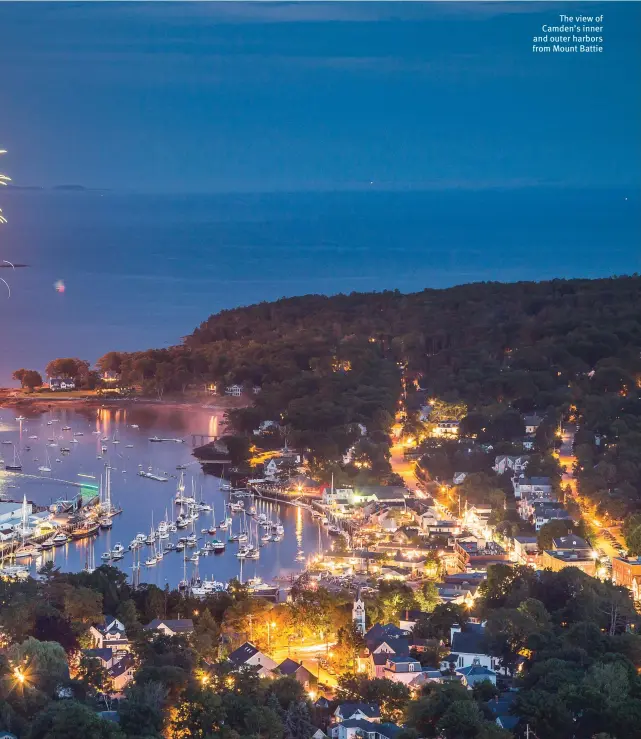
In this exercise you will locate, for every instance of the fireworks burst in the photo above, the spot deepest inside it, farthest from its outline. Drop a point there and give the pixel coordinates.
(3, 181)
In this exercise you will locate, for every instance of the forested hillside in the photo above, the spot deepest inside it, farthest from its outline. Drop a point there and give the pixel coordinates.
(327, 363)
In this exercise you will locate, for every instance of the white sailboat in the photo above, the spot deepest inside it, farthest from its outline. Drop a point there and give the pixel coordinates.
(46, 467)
(90, 564)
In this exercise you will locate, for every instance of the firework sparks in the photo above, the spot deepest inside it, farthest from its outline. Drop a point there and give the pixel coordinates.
(3, 181)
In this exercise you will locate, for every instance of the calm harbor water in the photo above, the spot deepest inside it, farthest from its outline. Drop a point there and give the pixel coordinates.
(140, 498)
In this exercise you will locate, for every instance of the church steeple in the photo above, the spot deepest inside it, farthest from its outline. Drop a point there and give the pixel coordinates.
(358, 613)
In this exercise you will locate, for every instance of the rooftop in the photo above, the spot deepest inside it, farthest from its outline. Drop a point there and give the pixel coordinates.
(243, 653)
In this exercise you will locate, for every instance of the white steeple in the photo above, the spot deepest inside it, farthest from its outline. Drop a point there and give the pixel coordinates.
(358, 613)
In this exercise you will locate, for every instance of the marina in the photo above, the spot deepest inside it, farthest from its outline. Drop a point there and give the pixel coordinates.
(92, 509)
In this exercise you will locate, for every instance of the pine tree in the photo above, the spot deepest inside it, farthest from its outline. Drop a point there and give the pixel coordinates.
(298, 723)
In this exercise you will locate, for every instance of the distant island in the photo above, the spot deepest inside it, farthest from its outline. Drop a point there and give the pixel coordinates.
(55, 188)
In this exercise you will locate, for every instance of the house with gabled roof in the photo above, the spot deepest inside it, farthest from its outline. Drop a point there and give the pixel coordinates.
(357, 710)
(122, 673)
(110, 634)
(248, 655)
(171, 626)
(105, 656)
(362, 729)
(291, 668)
(476, 673)
(468, 648)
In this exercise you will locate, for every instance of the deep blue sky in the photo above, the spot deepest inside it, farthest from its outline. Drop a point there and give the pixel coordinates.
(203, 97)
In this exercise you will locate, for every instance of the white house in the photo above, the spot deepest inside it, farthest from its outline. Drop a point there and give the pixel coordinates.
(532, 423)
(337, 496)
(402, 669)
(57, 383)
(505, 462)
(536, 485)
(277, 465)
(362, 729)
(110, 634)
(248, 655)
(446, 429)
(459, 477)
(468, 648)
(357, 710)
(234, 390)
(476, 673)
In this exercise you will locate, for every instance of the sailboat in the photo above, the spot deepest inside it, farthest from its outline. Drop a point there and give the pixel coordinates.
(184, 583)
(212, 529)
(46, 467)
(16, 465)
(224, 524)
(90, 564)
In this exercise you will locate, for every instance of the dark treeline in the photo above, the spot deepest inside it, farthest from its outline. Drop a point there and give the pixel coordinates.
(566, 348)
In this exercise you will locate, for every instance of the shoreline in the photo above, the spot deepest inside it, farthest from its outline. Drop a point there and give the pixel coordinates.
(45, 403)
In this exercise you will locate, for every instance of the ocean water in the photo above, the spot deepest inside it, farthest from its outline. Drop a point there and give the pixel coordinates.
(143, 501)
(141, 271)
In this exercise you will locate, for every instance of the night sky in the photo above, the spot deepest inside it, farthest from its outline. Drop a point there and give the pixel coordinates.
(207, 97)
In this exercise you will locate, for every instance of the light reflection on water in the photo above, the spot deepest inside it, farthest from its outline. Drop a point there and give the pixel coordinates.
(141, 499)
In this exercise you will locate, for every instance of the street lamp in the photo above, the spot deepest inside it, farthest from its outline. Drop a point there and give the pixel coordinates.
(270, 626)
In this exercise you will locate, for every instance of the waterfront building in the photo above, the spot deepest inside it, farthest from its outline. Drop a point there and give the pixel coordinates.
(234, 391)
(58, 383)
